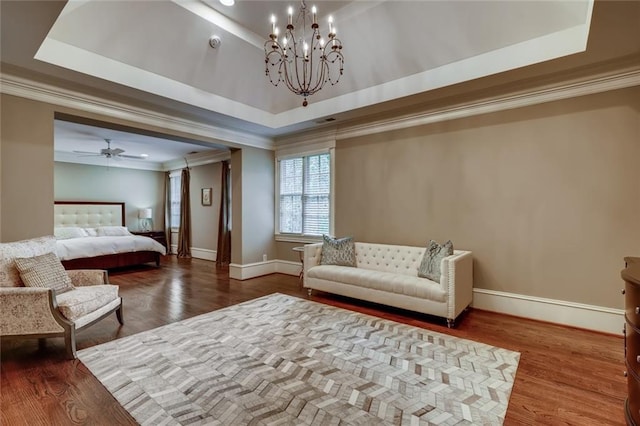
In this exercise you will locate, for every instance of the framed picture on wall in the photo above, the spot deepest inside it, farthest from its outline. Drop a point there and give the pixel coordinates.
(206, 196)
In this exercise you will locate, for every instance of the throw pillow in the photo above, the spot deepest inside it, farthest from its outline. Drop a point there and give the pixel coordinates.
(433, 255)
(336, 251)
(9, 275)
(44, 271)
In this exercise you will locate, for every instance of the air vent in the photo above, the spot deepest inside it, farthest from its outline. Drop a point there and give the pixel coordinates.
(326, 120)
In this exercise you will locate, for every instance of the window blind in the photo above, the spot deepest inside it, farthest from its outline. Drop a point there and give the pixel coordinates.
(305, 186)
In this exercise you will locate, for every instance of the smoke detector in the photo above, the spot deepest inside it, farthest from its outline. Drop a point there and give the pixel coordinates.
(215, 42)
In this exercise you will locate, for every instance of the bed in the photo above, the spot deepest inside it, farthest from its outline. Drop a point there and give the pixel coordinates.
(93, 235)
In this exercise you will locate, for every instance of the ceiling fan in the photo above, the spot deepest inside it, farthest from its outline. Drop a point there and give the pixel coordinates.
(115, 153)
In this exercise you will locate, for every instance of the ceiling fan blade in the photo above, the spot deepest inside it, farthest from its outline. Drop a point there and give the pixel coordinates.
(116, 151)
(88, 153)
(134, 157)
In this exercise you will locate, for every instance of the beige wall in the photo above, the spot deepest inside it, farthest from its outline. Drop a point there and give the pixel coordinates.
(204, 219)
(27, 169)
(547, 197)
(136, 188)
(27, 177)
(253, 177)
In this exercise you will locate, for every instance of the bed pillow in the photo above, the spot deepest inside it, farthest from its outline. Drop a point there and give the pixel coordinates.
(433, 255)
(66, 232)
(338, 251)
(113, 231)
(91, 232)
(45, 271)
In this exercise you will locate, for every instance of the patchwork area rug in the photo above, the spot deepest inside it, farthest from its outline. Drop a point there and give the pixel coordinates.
(285, 360)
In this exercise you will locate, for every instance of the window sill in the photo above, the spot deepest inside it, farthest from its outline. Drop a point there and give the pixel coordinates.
(307, 239)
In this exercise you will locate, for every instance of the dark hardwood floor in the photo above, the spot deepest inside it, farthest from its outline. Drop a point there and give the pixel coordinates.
(565, 377)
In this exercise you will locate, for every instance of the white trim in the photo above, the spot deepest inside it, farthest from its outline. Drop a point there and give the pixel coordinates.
(288, 267)
(199, 159)
(21, 87)
(17, 86)
(590, 317)
(572, 90)
(205, 254)
(294, 238)
(305, 143)
(579, 315)
(252, 270)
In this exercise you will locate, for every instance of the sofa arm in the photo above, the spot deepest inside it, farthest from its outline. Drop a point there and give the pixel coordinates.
(28, 310)
(457, 281)
(312, 255)
(86, 277)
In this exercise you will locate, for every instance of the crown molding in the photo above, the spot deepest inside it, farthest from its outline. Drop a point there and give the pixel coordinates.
(42, 92)
(535, 97)
(199, 159)
(306, 142)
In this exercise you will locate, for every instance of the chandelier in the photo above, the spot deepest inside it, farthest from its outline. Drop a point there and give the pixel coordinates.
(303, 61)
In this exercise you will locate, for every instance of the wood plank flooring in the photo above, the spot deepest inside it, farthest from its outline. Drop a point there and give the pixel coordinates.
(565, 377)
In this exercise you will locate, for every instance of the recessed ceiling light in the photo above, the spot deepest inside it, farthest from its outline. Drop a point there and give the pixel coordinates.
(228, 2)
(144, 155)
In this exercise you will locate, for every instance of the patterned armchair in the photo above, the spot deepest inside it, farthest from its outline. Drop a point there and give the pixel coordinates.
(46, 311)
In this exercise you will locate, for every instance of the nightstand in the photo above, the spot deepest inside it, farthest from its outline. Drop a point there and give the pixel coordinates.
(159, 236)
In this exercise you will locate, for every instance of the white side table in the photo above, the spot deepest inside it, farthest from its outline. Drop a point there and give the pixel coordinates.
(300, 250)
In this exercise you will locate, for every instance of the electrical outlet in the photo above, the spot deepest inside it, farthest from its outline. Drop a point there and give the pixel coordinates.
(264, 257)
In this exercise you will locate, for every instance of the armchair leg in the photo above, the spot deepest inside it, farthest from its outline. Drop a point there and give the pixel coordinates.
(119, 314)
(70, 343)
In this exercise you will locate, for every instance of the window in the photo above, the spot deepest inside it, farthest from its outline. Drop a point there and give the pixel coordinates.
(174, 198)
(305, 195)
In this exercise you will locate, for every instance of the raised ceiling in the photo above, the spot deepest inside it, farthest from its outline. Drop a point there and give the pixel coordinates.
(156, 53)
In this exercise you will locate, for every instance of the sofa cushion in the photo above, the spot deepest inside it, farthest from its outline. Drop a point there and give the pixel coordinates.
(340, 251)
(84, 300)
(433, 255)
(383, 281)
(44, 271)
(9, 275)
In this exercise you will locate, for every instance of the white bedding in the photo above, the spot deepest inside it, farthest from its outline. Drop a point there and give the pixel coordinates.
(75, 248)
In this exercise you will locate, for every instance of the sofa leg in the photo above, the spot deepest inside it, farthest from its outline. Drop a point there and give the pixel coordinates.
(309, 291)
(119, 314)
(450, 322)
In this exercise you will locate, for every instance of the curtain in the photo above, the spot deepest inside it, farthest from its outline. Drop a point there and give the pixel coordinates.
(184, 233)
(167, 209)
(223, 256)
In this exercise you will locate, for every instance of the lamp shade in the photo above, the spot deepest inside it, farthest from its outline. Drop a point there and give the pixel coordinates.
(144, 214)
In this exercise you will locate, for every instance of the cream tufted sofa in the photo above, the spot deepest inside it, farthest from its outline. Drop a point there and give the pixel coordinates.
(388, 274)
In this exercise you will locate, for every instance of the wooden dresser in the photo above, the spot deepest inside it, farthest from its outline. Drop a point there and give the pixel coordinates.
(631, 277)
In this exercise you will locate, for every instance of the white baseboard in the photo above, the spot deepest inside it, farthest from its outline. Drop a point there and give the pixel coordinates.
(205, 254)
(590, 317)
(252, 270)
(197, 253)
(288, 267)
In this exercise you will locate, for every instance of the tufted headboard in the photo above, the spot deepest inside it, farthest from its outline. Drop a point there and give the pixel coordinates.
(88, 214)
